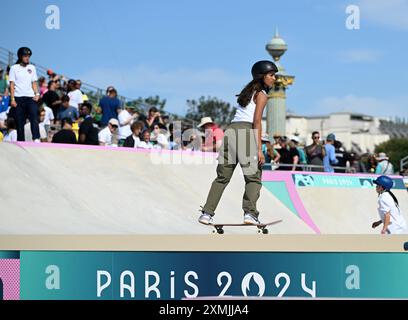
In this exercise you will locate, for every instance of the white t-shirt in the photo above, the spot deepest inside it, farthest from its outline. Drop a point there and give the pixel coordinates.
(23, 77)
(137, 141)
(124, 130)
(386, 204)
(385, 167)
(162, 141)
(10, 137)
(145, 145)
(28, 134)
(3, 115)
(246, 114)
(105, 136)
(49, 115)
(75, 98)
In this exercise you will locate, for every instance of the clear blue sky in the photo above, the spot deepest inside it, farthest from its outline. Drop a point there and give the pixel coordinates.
(182, 49)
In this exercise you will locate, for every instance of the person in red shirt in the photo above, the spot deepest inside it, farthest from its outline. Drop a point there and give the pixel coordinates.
(213, 135)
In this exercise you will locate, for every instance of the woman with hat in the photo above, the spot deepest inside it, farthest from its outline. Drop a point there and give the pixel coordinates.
(388, 208)
(242, 144)
(384, 166)
(213, 135)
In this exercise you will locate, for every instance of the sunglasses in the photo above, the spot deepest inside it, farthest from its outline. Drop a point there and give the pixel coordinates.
(115, 127)
(316, 138)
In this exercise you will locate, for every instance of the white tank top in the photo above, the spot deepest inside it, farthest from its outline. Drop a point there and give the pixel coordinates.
(246, 114)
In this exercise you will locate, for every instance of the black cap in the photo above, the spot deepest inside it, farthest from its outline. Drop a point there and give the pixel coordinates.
(24, 51)
(263, 67)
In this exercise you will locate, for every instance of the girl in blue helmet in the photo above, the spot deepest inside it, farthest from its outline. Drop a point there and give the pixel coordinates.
(388, 208)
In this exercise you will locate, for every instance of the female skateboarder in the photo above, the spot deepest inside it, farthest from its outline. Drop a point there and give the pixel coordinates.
(242, 144)
(24, 94)
(391, 217)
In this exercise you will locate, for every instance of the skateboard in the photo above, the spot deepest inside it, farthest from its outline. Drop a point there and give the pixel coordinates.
(219, 227)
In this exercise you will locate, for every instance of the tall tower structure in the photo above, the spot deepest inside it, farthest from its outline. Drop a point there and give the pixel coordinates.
(276, 107)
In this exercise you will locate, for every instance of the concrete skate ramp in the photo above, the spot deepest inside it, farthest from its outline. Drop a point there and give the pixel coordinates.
(334, 203)
(348, 211)
(62, 189)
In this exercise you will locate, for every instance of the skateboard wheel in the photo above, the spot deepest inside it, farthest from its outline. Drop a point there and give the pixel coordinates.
(220, 231)
(265, 231)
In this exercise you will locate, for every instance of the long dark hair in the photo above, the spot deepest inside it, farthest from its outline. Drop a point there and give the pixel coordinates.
(245, 96)
(393, 197)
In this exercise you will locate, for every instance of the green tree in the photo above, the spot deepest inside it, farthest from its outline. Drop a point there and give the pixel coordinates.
(220, 111)
(396, 149)
(152, 102)
(142, 105)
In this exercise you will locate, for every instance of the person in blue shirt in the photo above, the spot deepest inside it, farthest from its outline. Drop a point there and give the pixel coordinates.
(330, 157)
(66, 110)
(110, 106)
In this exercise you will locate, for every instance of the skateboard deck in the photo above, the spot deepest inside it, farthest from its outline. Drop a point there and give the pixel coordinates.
(219, 227)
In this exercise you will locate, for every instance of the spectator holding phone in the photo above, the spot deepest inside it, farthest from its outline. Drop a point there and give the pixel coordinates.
(153, 117)
(315, 152)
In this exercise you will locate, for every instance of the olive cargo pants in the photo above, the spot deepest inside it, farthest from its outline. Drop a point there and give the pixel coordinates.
(239, 146)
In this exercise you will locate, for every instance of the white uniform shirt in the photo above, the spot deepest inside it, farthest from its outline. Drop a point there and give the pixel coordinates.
(3, 115)
(124, 130)
(397, 222)
(145, 145)
(162, 142)
(75, 98)
(105, 136)
(23, 77)
(49, 115)
(137, 141)
(10, 137)
(28, 134)
(246, 114)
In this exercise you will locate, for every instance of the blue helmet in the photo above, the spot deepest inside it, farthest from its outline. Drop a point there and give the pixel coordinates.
(385, 182)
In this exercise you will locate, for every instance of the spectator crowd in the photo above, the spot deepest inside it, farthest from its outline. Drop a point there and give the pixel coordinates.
(64, 114)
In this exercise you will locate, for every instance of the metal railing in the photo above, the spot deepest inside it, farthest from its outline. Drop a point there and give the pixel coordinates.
(8, 57)
(305, 167)
(403, 163)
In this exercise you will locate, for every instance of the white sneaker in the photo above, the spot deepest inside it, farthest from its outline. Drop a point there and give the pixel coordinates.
(37, 141)
(251, 219)
(205, 218)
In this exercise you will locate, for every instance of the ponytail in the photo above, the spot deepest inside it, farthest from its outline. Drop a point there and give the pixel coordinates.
(393, 197)
(255, 86)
